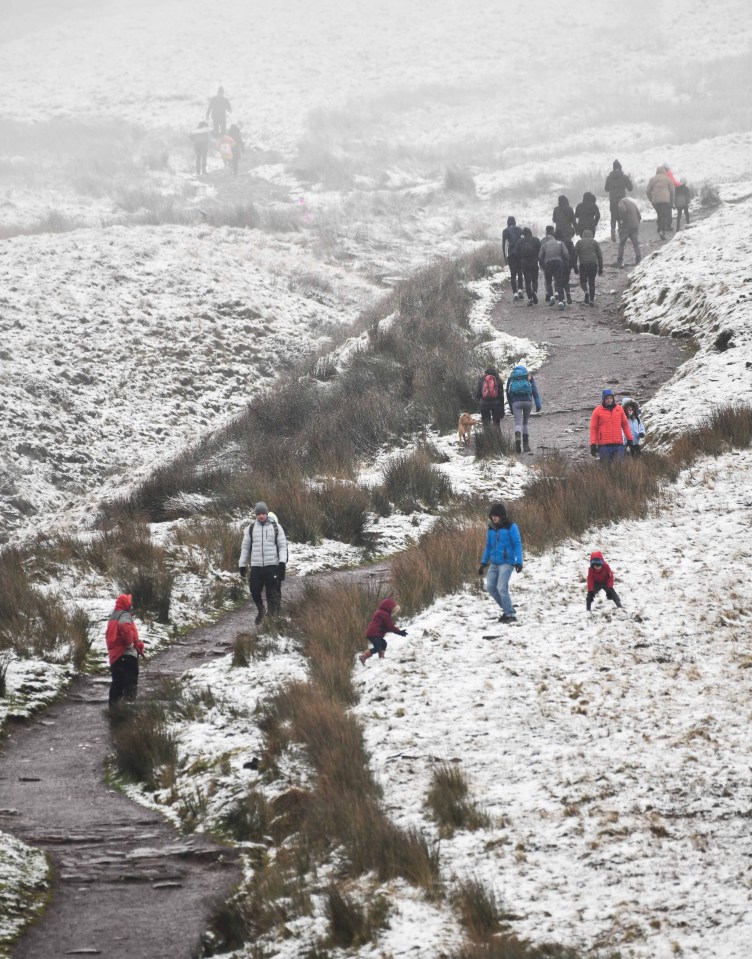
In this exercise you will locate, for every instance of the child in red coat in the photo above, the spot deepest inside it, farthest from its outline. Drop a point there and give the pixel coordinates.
(123, 649)
(599, 577)
(381, 624)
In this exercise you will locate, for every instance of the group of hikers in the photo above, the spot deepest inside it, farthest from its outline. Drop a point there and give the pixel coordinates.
(228, 142)
(557, 253)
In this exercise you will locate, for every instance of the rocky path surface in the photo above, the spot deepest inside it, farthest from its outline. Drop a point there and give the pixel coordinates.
(588, 349)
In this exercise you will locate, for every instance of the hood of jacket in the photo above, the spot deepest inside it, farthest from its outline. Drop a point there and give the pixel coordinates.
(519, 369)
(511, 221)
(606, 393)
(616, 165)
(387, 605)
(660, 169)
(596, 554)
(563, 201)
(124, 601)
(588, 198)
(490, 371)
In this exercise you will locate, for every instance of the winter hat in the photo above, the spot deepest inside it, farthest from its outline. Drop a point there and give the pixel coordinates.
(511, 221)
(526, 231)
(490, 371)
(550, 229)
(498, 509)
(587, 233)
(617, 165)
(260, 508)
(606, 393)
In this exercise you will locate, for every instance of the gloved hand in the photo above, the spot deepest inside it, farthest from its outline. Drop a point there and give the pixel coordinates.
(630, 445)
(402, 632)
(482, 570)
(139, 647)
(243, 572)
(593, 449)
(282, 567)
(600, 272)
(518, 567)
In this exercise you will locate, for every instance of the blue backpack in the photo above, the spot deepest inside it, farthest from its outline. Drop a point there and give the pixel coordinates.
(519, 385)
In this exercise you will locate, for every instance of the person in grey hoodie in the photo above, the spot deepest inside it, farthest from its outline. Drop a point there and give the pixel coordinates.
(617, 185)
(629, 229)
(588, 261)
(265, 550)
(554, 258)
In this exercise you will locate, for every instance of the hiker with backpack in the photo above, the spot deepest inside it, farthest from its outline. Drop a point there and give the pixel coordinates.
(528, 249)
(510, 237)
(521, 394)
(123, 650)
(587, 214)
(265, 550)
(607, 424)
(588, 260)
(219, 107)
(553, 256)
(502, 555)
(600, 577)
(617, 185)
(490, 396)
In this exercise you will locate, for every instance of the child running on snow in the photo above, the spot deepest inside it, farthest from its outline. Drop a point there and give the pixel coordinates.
(381, 624)
(600, 577)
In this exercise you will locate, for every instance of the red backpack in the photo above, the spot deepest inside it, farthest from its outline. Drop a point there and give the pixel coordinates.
(490, 389)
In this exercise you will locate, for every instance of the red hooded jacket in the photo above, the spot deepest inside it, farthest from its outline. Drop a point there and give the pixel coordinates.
(382, 621)
(599, 577)
(121, 630)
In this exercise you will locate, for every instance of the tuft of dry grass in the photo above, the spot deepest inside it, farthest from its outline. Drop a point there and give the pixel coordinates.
(142, 743)
(509, 946)
(478, 909)
(449, 801)
(352, 923)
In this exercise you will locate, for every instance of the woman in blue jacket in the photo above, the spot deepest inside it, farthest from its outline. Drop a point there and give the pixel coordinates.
(502, 554)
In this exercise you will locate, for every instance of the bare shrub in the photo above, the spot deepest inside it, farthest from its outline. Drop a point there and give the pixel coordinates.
(491, 443)
(508, 946)
(5, 660)
(412, 482)
(80, 637)
(142, 743)
(345, 509)
(151, 589)
(709, 195)
(243, 649)
(450, 803)
(352, 923)
(724, 428)
(246, 819)
(478, 909)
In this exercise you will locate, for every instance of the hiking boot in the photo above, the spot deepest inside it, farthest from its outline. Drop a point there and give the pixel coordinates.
(530, 301)
(535, 299)
(587, 299)
(552, 301)
(526, 444)
(508, 619)
(517, 443)
(569, 298)
(562, 304)
(613, 236)
(618, 264)
(260, 615)
(662, 236)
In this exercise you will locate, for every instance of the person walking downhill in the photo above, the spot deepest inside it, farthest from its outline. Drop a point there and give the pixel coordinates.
(554, 258)
(265, 550)
(509, 239)
(681, 202)
(528, 249)
(219, 107)
(617, 185)
(600, 577)
(660, 191)
(632, 412)
(381, 623)
(588, 260)
(123, 650)
(629, 229)
(490, 397)
(607, 424)
(587, 214)
(502, 555)
(521, 394)
(200, 139)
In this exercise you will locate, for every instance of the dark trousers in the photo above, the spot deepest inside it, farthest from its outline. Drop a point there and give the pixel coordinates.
(610, 593)
(515, 268)
(552, 272)
(679, 211)
(235, 162)
(663, 216)
(219, 121)
(614, 205)
(530, 274)
(633, 236)
(201, 154)
(491, 410)
(124, 679)
(266, 578)
(588, 273)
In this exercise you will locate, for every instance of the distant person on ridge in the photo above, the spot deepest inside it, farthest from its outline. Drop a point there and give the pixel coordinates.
(200, 139)
(660, 191)
(609, 429)
(502, 555)
(587, 214)
(528, 249)
(490, 397)
(509, 240)
(681, 202)
(123, 650)
(588, 261)
(629, 229)
(617, 185)
(219, 107)
(382, 622)
(265, 550)
(521, 394)
(238, 147)
(553, 256)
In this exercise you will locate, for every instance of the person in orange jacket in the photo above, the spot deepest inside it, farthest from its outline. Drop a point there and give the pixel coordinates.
(607, 424)
(123, 649)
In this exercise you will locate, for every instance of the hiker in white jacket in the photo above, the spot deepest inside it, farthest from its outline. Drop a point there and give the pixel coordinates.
(265, 546)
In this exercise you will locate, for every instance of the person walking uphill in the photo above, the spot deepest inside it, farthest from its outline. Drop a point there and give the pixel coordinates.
(509, 240)
(587, 214)
(219, 107)
(661, 193)
(490, 397)
(553, 256)
(381, 623)
(265, 550)
(123, 650)
(629, 229)
(521, 394)
(528, 249)
(502, 555)
(588, 260)
(617, 185)
(607, 424)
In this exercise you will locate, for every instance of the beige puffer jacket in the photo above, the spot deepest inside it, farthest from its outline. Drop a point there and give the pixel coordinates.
(660, 188)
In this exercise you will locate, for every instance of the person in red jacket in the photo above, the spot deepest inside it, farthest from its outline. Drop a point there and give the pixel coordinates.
(381, 624)
(606, 426)
(123, 649)
(600, 577)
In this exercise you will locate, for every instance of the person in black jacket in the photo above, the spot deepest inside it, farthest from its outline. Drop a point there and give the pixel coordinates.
(588, 260)
(219, 107)
(617, 184)
(490, 395)
(509, 240)
(587, 214)
(527, 250)
(681, 202)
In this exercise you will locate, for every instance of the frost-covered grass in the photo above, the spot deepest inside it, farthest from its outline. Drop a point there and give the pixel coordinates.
(24, 887)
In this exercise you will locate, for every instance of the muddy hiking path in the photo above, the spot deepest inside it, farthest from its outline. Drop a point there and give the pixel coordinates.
(125, 882)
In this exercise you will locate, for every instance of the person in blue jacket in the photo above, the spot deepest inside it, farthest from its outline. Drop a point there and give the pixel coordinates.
(503, 553)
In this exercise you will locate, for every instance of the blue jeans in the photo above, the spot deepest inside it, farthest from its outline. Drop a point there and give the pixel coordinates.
(611, 452)
(497, 584)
